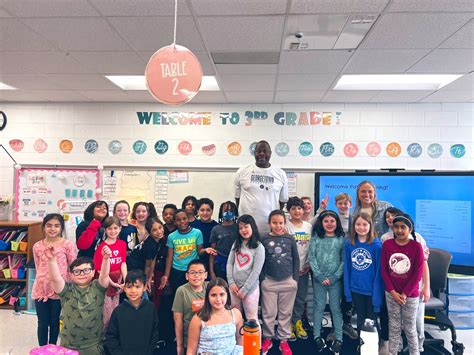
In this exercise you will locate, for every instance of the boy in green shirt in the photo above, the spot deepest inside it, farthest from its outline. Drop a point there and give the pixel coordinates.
(82, 301)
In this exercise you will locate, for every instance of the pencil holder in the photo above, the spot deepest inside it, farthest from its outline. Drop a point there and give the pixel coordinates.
(21, 273)
(14, 273)
(3, 245)
(15, 246)
(7, 273)
(23, 246)
(22, 301)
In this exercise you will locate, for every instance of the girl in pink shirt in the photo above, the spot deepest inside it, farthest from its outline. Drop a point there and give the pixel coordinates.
(48, 306)
(402, 270)
(118, 266)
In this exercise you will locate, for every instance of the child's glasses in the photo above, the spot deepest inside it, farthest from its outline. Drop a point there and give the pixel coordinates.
(196, 273)
(86, 271)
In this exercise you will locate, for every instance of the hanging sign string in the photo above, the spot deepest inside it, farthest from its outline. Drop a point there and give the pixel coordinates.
(173, 74)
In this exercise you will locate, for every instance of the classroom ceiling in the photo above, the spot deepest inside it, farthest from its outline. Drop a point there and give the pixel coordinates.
(60, 50)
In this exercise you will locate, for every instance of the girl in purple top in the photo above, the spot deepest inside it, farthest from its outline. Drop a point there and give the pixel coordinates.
(402, 270)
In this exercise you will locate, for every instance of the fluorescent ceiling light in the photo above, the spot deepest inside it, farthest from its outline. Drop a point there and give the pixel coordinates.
(395, 82)
(6, 87)
(138, 82)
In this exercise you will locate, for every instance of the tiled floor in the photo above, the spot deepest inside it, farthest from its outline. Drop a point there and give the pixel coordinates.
(18, 334)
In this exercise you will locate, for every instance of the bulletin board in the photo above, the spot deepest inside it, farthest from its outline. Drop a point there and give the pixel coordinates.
(39, 191)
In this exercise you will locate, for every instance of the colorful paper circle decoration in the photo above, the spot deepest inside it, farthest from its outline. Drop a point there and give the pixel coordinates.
(139, 147)
(282, 149)
(351, 150)
(40, 145)
(185, 147)
(115, 146)
(435, 150)
(173, 75)
(457, 150)
(252, 147)
(91, 146)
(305, 149)
(326, 149)
(393, 149)
(65, 146)
(373, 149)
(414, 150)
(161, 147)
(16, 144)
(234, 148)
(209, 149)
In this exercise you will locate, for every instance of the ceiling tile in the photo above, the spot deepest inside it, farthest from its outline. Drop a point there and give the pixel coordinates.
(349, 96)
(401, 96)
(413, 30)
(241, 7)
(464, 38)
(140, 96)
(4, 14)
(29, 82)
(298, 96)
(450, 96)
(246, 82)
(82, 82)
(430, 5)
(321, 30)
(16, 37)
(152, 33)
(448, 61)
(383, 61)
(464, 83)
(305, 82)
(208, 97)
(50, 62)
(331, 61)
(261, 33)
(249, 96)
(49, 8)
(88, 33)
(14, 63)
(337, 6)
(114, 62)
(65, 96)
(247, 69)
(140, 8)
(22, 95)
(106, 95)
(202, 56)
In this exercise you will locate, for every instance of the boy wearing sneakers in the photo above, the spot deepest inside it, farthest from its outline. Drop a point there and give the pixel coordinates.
(300, 230)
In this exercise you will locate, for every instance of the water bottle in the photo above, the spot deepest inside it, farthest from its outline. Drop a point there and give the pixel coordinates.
(251, 337)
(369, 338)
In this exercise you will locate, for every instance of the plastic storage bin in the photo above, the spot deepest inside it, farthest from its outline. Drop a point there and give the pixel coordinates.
(461, 303)
(462, 320)
(461, 285)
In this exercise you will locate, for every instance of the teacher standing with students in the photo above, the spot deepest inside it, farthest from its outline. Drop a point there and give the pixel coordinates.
(260, 188)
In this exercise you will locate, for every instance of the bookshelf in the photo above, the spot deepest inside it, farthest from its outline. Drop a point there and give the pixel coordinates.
(35, 234)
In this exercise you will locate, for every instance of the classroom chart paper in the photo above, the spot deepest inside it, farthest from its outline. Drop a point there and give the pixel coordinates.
(39, 191)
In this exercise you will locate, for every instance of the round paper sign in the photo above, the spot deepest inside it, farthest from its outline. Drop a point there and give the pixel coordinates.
(173, 75)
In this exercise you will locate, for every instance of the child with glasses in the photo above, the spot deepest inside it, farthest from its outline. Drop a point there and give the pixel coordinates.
(188, 301)
(82, 300)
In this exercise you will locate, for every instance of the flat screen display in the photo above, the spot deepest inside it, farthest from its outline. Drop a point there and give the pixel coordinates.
(441, 205)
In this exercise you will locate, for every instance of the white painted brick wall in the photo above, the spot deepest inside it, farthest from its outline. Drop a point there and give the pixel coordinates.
(427, 123)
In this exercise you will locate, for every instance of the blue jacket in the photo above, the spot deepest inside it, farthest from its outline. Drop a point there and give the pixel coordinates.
(362, 271)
